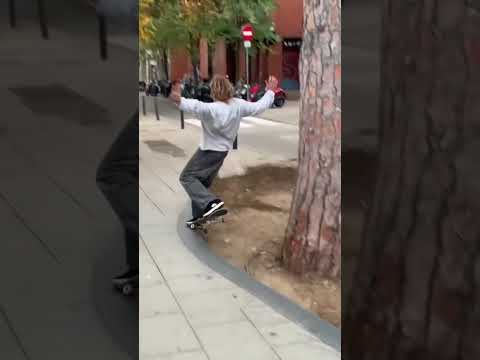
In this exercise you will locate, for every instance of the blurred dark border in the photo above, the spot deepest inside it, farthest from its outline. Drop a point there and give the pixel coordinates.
(410, 180)
(69, 73)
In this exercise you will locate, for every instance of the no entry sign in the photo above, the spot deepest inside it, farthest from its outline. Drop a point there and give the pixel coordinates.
(247, 32)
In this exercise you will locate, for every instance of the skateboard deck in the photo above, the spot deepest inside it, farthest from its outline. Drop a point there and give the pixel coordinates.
(215, 217)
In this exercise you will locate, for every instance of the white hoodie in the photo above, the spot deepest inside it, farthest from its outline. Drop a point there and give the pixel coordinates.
(221, 121)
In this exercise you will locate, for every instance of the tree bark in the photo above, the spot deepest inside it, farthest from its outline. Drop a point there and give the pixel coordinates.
(313, 236)
(416, 293)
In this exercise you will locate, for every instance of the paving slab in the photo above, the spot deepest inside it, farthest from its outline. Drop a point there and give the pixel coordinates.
(166, 335)
(236, 341)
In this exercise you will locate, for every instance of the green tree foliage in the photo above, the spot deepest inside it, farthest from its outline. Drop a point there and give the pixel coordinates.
(173, 24)
(235, 13)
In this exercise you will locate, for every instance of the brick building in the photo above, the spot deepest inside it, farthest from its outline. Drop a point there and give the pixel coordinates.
(282, 61)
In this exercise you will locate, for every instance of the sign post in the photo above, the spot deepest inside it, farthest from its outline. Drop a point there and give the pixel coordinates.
(247, 35)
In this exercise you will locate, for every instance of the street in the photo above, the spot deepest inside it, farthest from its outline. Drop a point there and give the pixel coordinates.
(260, 134)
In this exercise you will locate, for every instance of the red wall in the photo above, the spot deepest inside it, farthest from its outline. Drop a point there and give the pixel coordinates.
(275, 61)
(180, 64)
(289, 18)
(219, 59)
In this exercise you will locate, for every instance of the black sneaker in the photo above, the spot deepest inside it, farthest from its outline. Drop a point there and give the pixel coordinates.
(129, 276)
(213, 206)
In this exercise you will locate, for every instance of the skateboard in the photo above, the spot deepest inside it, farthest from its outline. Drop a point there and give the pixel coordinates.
(215, 217)
(127, 287)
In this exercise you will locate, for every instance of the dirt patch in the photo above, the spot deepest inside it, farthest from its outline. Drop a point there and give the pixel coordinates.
(252, 237)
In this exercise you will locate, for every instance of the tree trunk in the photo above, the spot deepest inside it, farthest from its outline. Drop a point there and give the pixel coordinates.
(416, 293)
(313, 236)
(196, 76)
(239, 61)
(194, 52)
(165, 64)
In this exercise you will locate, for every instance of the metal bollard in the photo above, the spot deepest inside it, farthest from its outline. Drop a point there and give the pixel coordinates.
(102, 27)
(182, 120)
(156, 107)
(12, 13)
(42, 17)
(143, 106)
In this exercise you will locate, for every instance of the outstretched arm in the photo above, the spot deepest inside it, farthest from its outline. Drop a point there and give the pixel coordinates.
(255, 108)
(198, 108)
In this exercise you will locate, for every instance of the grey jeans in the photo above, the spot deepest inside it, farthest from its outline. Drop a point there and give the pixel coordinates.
(117, 177)
(198, 176)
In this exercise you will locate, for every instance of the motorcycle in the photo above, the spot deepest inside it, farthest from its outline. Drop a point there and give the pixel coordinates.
(257, 91)
(165, 87)
(204, 92)
(152, 90)
(241, 90)
(199, 92)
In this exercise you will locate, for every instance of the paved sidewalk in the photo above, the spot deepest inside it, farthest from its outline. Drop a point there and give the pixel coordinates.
(187, 311)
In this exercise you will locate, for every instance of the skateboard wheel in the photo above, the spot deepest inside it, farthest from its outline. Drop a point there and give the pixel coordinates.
(127, 289)
(192, 226)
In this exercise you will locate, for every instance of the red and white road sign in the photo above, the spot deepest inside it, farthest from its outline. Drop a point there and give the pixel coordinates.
(247, 32)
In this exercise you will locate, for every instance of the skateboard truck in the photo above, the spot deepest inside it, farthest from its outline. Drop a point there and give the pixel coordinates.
(201, 226)
(214, 218)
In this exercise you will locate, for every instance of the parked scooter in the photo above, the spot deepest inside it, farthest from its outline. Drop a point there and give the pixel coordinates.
(153, 89)
(199, 92)
(257, 91)
(204, 92)
(165, 87)
(241, 90)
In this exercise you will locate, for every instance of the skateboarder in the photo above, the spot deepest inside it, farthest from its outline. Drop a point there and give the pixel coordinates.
(220, 123)
(117, 177)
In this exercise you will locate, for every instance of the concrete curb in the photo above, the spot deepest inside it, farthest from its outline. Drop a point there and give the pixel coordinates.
(319, 328)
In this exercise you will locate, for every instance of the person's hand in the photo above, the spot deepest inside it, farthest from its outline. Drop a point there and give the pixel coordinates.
(271, 83)
(176, 93)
